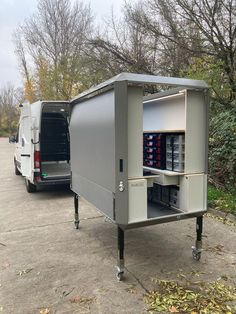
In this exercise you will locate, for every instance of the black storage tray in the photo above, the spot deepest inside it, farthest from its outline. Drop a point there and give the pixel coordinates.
(154, 145)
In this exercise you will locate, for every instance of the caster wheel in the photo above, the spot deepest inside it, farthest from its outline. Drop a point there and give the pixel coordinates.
(196, 255)
(120, 276)
(76, 224)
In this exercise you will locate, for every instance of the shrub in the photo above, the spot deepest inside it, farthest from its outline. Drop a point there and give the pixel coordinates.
(222, 147)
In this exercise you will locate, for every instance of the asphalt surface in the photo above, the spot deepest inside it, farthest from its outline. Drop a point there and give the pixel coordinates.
(47, 266)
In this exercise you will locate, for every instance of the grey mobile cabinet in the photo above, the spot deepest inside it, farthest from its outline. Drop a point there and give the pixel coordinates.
(108, 125)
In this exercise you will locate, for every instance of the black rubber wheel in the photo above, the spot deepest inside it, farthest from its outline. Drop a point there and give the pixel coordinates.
(31, 188)
(120, 276)
(17, 172)
(196, 255)
(76, 224)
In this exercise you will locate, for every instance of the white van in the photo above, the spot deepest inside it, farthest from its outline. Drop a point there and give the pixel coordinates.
(42, 147)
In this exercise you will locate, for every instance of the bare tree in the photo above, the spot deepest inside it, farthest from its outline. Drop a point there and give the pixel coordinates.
(57, 34)
(10, 98)
(21, 53)
(187, 28)
(123, 47)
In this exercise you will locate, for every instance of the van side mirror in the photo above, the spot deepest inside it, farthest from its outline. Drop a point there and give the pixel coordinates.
(12, 139)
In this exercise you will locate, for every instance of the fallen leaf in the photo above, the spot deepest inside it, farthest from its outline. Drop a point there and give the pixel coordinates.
(103, 290)
(225, 221)
(131, 289)
(44, 311)
(24, 271)
(173, 309)
(76, 299)
(81, 299)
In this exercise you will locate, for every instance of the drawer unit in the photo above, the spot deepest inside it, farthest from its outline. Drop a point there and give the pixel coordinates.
(175, 166)
(152, 156)
(176, 157)
(175, 152)
(175, 139)
(154, 150)
(152, 163)
(176, 148)
(164, 151)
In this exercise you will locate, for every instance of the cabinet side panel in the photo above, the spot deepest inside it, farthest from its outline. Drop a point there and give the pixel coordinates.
(193, 192)
(195, 136)
(137, 200)
(95, 194)
(92, 136)
(121, 150)
(135, 132)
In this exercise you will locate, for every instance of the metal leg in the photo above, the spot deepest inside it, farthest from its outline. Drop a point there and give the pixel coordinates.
(197, 249)
(120, 261)
(76, 206)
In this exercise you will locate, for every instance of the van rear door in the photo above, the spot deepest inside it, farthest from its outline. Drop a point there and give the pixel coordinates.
(27, 152)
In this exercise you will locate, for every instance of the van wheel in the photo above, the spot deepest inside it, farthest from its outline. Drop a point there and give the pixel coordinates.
(17, 172)
(31, 188)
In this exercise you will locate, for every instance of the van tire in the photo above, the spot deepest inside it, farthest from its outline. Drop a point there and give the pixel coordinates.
(17, 172)
(31, 188)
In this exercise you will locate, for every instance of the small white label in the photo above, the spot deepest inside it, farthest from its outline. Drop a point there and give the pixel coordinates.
(138, 184)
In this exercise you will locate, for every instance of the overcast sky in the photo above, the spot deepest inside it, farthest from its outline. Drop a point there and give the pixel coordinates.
(13, 12)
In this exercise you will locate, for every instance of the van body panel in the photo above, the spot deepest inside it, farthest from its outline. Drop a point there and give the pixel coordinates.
(27, 149)
(43, 128)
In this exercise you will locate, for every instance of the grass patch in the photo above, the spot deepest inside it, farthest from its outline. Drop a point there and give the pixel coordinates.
(222, 200)
(194, 298)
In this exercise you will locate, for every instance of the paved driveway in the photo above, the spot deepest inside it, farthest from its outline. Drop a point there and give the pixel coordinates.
(46, 265)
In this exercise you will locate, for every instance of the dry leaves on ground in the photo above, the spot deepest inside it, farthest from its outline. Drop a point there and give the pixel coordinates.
(81, 299)
(24, 271)
(44, 311)
(200, 298)
(224, 220)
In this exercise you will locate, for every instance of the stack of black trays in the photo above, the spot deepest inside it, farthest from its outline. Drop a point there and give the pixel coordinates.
(154, 150)
(168, 195)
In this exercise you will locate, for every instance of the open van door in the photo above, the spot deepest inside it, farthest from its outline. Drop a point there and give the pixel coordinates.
(27, 151)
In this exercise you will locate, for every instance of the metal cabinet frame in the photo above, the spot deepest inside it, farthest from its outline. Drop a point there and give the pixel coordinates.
(120, 85)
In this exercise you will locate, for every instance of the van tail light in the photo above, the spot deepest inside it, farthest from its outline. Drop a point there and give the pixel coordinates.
(36, 159)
